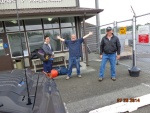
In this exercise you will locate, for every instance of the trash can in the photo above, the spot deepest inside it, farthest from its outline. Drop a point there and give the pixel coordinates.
(19, 64)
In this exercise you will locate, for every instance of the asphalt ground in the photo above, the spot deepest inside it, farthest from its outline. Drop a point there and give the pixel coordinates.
(82, 95)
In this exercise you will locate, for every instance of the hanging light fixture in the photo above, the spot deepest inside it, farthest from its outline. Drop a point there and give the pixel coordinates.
(50, 19)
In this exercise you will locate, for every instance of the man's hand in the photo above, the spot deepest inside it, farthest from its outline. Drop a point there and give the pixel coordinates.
(101, 56)
(118, 57)
(90, 33)
(58, 37)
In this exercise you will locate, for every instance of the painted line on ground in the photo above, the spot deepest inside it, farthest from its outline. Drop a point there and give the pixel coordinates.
(147, 85)
(124, 106)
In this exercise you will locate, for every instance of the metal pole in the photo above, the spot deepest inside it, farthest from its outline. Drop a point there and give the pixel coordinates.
(134, 40)
(116, 34)
(29, 100)
(97, 25)
(134, 71)
(115, 28)
(106, 24)
(85, 42)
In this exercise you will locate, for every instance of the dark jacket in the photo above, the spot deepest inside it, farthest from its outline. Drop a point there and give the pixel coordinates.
(110, 46)
(47, 49)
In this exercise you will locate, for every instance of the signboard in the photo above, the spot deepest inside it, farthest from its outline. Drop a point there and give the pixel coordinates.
(22, 4)
(143, 34)
(123, 30)
(143, 38)
(143, 29)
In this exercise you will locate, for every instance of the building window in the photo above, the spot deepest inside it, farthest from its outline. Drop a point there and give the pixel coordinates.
(15, 44)
(67, 21)
(56, 44)
(1, 28)
(35, 40)
(12, 26)
(51, 23)
(2, 51)
(33, 24)
(66, 34)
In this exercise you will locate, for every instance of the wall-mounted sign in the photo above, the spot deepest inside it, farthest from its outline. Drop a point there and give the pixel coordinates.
(143, 38)
(5, 45)
(122, 30)
(35, 1)
(11, 4)
(143, 29)
(143, 34)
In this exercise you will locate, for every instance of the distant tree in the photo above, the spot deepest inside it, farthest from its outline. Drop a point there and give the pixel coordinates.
(147, 23)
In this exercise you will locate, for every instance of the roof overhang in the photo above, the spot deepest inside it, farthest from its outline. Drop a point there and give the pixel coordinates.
(49, 12)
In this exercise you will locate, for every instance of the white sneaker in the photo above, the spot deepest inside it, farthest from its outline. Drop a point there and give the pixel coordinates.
(79, 76)
(67, 78)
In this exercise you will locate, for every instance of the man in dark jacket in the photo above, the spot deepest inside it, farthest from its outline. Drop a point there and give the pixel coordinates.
(110, 45)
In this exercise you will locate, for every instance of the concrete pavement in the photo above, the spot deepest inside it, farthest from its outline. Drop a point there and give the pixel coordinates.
(82, 95)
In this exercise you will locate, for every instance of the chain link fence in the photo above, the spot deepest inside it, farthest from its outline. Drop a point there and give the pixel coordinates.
(126, 40)
(143, 49)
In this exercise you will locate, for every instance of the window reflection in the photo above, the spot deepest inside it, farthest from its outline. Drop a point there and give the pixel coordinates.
(2, 51)
(13, 26)
(51, 23)
(67, 21)
(15, 44)
(33, 24)
(56, 44)
(66, 34)
(35, 40)
(1, 28)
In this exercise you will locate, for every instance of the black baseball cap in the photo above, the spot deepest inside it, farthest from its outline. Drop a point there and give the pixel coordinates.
(108, 29)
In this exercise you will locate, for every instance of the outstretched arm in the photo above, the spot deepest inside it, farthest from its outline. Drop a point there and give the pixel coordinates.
(90, 33)
(61, 39)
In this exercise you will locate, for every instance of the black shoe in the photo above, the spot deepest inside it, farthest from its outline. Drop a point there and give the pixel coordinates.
(114, 79)
(100, 79)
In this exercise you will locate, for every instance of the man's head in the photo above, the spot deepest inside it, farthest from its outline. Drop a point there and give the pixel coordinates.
(47, 39)
(109, 30)
(73, 37)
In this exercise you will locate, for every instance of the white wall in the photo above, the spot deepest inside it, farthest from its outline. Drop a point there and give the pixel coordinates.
(10, 4)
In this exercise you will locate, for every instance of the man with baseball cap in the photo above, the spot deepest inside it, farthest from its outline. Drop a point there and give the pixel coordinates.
(110, 45)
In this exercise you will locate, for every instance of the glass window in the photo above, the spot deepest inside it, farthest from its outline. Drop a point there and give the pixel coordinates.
(51, 23)
(66, 34)
(1, 28)
(35, 40)
(56, 44)
(13, 26)
(15, 44)
(2, 51)
(67, 21)
(33, 24)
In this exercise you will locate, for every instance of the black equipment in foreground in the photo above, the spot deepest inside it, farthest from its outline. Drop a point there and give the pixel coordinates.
(18, 20)
(13, 96)
(51, 99)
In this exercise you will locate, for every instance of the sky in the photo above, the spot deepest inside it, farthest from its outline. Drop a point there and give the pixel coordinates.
(119, 10)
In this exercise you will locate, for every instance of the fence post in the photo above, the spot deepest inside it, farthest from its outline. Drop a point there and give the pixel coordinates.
(97, 25)
(115, 33)
(134, 71)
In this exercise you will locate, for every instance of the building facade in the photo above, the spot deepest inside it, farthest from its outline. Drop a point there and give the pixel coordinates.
(36, 19)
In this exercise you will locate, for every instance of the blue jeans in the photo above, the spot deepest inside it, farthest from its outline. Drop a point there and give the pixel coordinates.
(72, 61)
(112, 60)
(48, 66)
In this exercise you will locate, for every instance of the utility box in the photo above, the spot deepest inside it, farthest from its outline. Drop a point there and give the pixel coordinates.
(19, 64)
